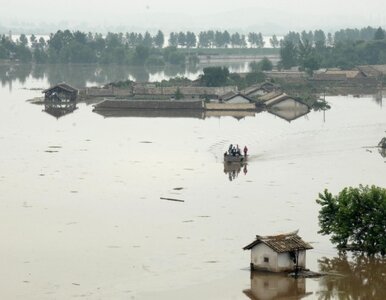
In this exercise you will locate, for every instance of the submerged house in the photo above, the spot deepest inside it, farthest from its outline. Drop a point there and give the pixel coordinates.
(278, 253)
(284, 106)
(338, 75)
(232, 101)
(61, 92)
(259, 89)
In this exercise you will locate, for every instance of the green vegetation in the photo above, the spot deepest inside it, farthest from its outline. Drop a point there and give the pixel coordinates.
(215, 76)
(349, 47)
(178, 94)
(220, 76)
(356, 218)
(264, 65)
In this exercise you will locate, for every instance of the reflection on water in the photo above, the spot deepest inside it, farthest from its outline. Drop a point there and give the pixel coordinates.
(290, 114)
(361, 277)
(267, 286)
(59, 109)
(233, 169)
(151, 113)
(81, 75)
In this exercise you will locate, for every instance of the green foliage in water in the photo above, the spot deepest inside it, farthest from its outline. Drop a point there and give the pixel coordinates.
(355, 218)
(215, 76)
(178, 94)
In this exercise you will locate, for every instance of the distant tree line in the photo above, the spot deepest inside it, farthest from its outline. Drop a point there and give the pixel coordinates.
(122, 48)
(309, 50)
(345, 49)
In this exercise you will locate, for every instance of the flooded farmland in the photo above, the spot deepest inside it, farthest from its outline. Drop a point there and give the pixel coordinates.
(83, 209)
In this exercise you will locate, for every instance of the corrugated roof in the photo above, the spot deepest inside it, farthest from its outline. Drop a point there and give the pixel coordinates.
(281, 243)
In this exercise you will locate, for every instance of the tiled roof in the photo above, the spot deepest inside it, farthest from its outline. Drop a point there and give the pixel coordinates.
(281, 243)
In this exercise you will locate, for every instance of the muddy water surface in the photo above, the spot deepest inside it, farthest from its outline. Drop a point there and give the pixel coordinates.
(82, 214)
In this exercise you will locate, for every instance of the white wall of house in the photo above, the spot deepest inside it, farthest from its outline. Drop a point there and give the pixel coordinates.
(238, 99)
(285, 262)
(264, 258)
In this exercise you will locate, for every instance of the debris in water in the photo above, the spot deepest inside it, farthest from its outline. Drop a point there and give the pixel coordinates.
(172, 199)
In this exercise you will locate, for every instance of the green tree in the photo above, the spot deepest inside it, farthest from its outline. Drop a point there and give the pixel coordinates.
(141, 54)
(215, 76)
(355, 218)
(178, 94)
(379, 34)
(191, 39)
(147, 40)
(264, 65)
(173, 39)
(288, 54)
(159, 39)
(182, 39)
(274, 41)
(23, 40)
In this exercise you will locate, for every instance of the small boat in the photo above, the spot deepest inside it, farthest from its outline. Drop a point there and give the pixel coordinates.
(234, 158)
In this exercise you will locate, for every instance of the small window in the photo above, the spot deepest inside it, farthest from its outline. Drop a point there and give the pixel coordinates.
(266, 259)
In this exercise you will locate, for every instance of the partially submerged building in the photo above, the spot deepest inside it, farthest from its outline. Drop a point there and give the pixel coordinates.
(278, 253)
(232, 101)
(61, 92)
(259, 89)
(284, 106)
(338, 75)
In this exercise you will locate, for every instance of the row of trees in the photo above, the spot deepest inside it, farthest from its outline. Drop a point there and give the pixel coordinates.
(79, 47)
(310, 50)
(313, 50)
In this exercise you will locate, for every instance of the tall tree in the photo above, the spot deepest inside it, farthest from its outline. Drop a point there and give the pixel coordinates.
(182, 39)
(191, 39)
(288, 54)
(147, 40)
(173, 39)
(274, 41)
(159, 39)
(379, 34)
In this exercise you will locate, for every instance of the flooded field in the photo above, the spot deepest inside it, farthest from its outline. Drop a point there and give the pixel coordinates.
(83, 214)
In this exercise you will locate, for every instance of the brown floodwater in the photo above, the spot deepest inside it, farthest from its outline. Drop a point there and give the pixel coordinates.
(82, 215)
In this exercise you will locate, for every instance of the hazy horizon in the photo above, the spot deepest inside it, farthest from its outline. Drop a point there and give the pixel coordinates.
(277, 16)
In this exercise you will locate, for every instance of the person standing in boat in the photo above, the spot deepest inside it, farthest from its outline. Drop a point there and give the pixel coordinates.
(238, 152)
(230, 149)
(245, 151)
